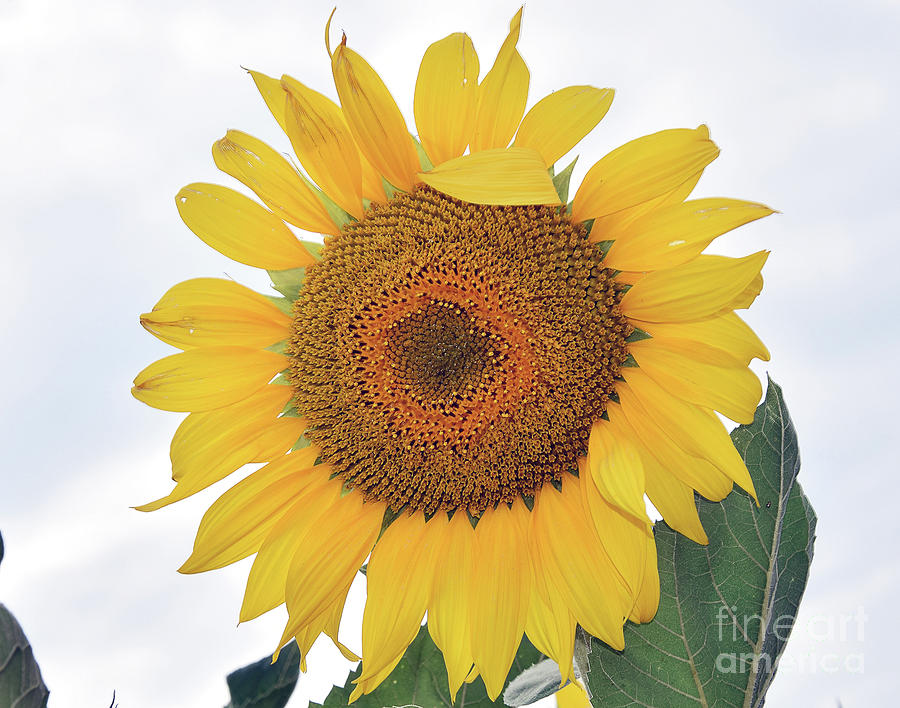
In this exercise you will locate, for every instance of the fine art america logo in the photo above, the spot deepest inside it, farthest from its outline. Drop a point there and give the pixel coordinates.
(829, 631)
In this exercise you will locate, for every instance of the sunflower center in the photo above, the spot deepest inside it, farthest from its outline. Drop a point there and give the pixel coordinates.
(439, 353)
(452, 355)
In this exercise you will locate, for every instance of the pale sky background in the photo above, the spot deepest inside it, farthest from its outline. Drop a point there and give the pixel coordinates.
(108, 108)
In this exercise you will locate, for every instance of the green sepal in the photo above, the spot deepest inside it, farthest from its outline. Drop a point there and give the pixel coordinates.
(604, 246)
(264, 684)
(302, 441)
(340, 217)
(314, 248)
(389, 189)
(561, 181)
(424, 161)
(390, 516)
(288, 282)
(637, 336)
(281, 379)
(420, 679)
(278, 347)
(282, 303)
(629, 362)
(290, 411)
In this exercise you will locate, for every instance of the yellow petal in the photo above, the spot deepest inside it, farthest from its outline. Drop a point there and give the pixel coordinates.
(748, 296)
(616, 469)
(695, 471)
(448, 613)
(696, 430)
(698, 289)
(647, 601)
(372, 184)
(672, 498)
(206, 312)
(364, 686)
(446, 97)
(334, 624)
(622, 219)
(502, 95)
(273, 94)
(239, 228)
(622, 536)
(206, 378)
(266, 583)
(576, 564)
(507, 176)
(324, 623)
(673, 235)
(572, 696)
(394, 611)
(700, 374)
(551, 628)
(642, 170)
(328, 557)
(727, 332)
(500, 592)
(374, 118)
(273, 179)
(324, 145)
(210, 446)
(557, 122)
(238, 521)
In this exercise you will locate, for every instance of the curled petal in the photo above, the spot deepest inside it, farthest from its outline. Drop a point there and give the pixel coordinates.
(503, 176)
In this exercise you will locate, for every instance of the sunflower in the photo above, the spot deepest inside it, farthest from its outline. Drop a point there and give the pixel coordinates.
(472, 385)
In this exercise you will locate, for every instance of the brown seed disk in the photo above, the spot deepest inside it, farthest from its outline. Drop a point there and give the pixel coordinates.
(452, 355)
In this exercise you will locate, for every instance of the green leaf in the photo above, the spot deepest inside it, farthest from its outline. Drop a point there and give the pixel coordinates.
(264, 684)
(21, 685)
(561, 181)
(420, 679)
(727, 609)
